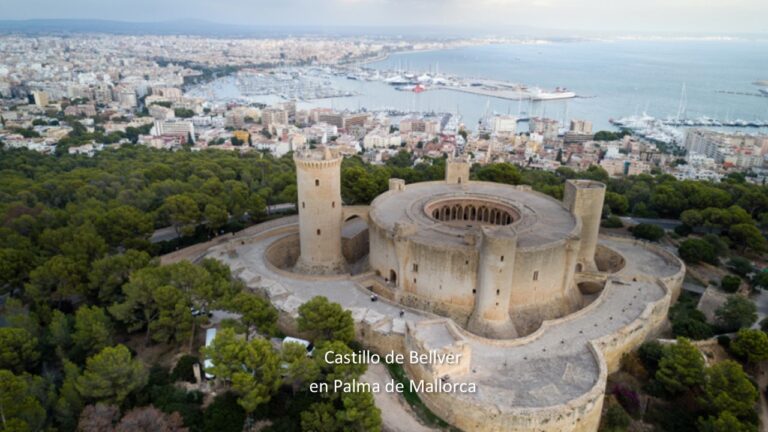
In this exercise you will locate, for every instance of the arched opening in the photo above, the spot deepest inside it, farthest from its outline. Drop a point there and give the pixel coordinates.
(392, 277)
(472, 210)
(317, 182)
(579, 267)
(456, 212)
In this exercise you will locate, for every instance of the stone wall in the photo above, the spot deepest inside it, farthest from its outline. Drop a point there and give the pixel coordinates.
(584, 198)
(443, 278)
(356, 247)
(607, 260)
(579, 415)
(284, 252)
(383, 334)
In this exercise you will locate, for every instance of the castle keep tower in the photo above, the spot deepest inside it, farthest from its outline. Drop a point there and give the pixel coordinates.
(457, 171)
(490, 317)
(584, 198)
(318, 179)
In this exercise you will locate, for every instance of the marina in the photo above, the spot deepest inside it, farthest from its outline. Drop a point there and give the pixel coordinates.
(421, 82)
(300, 84)
(476, 81)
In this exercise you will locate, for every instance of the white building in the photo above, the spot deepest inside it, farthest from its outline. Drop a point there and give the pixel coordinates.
(504, 125)
(380, 138)
(179, 128)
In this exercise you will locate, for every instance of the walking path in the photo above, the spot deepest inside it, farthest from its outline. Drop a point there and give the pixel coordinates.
(396, 414)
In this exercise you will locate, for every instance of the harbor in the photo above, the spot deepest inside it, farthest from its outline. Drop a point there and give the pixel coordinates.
(426, 81)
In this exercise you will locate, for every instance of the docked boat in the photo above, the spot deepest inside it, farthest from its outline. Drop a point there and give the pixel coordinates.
(559, 93)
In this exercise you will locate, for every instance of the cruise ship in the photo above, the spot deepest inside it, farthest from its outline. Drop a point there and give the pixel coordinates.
(559, 93)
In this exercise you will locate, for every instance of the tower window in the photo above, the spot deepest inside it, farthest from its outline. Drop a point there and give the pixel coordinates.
(502, 258)
(318, 233)
(415, 268)
(317, 182)
(497, 292)
(474, 291)
(303, 205)
(536, 275)
(333, 204)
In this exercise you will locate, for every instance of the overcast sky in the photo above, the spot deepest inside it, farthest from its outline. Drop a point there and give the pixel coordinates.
(680, 16)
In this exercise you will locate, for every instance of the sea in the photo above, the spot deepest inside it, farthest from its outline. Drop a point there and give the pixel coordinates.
(613, 79)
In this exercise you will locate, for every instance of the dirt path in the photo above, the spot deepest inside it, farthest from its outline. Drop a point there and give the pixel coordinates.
(396, 415)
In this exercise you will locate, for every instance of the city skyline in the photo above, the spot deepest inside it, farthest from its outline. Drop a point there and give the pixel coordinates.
(715, 17)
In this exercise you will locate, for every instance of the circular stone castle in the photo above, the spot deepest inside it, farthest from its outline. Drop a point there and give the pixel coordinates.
(539, 306)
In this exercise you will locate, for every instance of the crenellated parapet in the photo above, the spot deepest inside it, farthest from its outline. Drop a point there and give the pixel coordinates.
(318, 180)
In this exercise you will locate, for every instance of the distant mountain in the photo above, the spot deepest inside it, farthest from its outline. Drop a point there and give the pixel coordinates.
(189, 27)
(207, 28)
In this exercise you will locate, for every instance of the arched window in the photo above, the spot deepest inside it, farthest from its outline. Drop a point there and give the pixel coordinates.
(318, 232)
(317, 182)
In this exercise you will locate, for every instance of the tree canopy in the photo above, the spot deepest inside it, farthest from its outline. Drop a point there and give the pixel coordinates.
(681, 367)
(326, 320)
(111, 375)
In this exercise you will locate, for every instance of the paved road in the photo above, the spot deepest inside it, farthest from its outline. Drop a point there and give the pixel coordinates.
(667, 224)
(761, 300)
(692, 287)
(762, 382)
(169, 233)
(396, 414)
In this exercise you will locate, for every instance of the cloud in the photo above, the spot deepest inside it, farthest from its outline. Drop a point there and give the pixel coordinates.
(706, 16)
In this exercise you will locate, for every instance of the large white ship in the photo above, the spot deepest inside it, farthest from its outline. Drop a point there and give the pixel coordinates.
(559, 93)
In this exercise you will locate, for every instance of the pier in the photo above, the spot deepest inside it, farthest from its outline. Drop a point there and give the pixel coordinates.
(740, 93)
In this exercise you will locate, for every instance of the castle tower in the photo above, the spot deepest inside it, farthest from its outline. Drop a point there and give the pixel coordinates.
(318, 179)
(584, 198)
(490, 317)
(457, 171)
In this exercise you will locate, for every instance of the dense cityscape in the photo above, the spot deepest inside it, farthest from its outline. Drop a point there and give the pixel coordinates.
(134, 90)
(196, 235)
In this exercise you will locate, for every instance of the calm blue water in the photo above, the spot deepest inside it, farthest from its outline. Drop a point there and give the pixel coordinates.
(615, 78)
